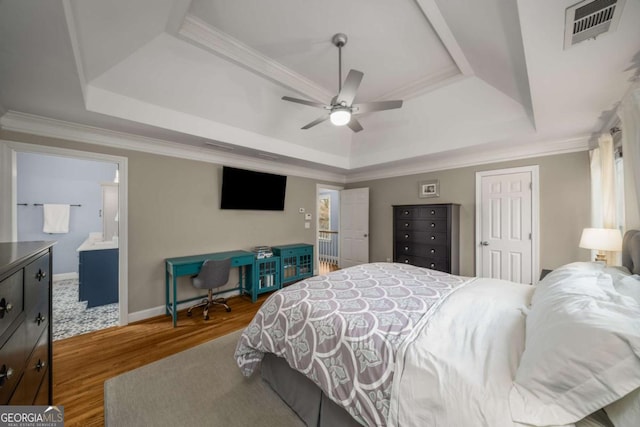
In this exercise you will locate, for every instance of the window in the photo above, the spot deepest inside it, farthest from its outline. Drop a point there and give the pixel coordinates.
(324, 216)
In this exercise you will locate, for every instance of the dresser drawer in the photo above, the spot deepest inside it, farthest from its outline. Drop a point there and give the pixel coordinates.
(36, 322)
(11, 302)
(422, 225)
(12, 356)
(431, 263)
(34, 372)
(406, 213)
(410, 212)
(36, 282)
(432, 211)
(421, 236)
(416, 249)
(42, 397)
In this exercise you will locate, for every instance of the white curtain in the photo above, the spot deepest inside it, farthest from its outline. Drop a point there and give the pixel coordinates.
(603, 190)
(596, 190)
(629, 114)
(608, 190)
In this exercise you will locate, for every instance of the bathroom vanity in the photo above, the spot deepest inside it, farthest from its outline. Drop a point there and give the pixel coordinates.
(98, 271)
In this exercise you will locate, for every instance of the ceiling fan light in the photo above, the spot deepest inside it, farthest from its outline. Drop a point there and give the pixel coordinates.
(340, 117)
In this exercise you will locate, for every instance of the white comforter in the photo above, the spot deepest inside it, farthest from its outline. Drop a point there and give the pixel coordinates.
(458, 367)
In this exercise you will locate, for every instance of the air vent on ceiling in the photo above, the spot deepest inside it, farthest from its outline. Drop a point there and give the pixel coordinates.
(590, 18)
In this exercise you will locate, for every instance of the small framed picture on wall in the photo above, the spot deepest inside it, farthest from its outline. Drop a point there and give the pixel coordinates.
(429, 188)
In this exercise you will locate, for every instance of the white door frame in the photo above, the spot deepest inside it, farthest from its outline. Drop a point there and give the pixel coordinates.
(8, 150)
(317, 209)
(535, 216)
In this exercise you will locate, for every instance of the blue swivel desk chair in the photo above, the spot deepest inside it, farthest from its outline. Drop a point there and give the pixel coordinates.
(213, 274)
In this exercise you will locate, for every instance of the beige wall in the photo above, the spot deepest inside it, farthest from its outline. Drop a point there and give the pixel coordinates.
(174, 211)
(564, 207)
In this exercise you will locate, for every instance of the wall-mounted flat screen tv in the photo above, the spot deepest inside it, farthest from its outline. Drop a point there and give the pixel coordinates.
(250, 190)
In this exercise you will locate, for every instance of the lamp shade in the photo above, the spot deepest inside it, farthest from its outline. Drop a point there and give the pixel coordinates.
(603, 239)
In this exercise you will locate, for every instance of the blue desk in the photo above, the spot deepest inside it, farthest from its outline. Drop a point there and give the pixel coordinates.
(190, 265)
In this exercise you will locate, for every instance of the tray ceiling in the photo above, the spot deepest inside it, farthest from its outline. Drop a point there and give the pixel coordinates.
(210, 73)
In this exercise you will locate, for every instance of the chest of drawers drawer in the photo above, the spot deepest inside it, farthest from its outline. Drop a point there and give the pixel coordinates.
(430, 263)
(422, 225)
(12, 356)
(421, 212)
(34, 373)
(11, 300)
(36, 283)
(422, 250)
(422, 236)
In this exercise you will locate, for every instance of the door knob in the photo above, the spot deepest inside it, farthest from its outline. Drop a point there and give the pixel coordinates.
(484, 243)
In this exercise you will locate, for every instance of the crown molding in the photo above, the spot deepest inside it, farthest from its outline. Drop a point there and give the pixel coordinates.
(42, 126)
(473, 156)
(425, 84)
(52, 128)
(200, 32)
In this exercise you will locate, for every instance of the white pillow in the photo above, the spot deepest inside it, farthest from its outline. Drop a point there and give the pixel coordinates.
(582, 349)
(584, 265)
(626, 411)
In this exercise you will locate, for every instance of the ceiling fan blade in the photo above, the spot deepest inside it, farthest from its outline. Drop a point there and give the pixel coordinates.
(355, 125)
(303, 101)
(315, 122)
(368, 107)
(350, 87)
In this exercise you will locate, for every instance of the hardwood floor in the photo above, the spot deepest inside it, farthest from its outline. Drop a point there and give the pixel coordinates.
(325, 267)
(82, 364)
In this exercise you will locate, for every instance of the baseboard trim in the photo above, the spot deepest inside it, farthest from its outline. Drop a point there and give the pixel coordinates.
(159, 311)
(65, 276)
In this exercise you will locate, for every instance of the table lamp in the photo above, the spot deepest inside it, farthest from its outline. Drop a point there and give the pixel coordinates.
(601, 239)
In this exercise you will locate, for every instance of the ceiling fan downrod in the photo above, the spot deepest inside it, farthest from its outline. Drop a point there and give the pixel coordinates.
(339, 40)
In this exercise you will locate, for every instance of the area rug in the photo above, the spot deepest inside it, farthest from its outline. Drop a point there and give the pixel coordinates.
(201, 386)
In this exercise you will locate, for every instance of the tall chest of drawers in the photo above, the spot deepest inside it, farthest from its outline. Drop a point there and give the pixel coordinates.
(427, 236)
(25, 327)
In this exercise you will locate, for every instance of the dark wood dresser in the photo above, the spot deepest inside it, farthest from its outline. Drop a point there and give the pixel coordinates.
(25, 326)
(427, 236)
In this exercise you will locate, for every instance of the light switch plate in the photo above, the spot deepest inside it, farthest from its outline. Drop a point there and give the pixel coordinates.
(307, 216)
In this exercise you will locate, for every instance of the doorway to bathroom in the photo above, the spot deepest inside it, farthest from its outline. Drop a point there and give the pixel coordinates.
(74, 202)
(76, 199)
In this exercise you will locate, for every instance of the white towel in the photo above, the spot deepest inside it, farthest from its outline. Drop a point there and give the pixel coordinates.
(56, 218)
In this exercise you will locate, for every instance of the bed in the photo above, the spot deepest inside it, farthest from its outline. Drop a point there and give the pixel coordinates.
(393, 344)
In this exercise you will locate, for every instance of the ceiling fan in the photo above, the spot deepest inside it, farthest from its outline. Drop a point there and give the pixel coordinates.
(342, 109)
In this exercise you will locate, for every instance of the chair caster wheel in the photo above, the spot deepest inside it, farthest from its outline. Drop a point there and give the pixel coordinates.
(228, 309)
(189, 313)
(206, 317)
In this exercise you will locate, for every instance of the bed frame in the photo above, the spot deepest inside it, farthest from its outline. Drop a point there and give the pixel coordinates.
(317, 410)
